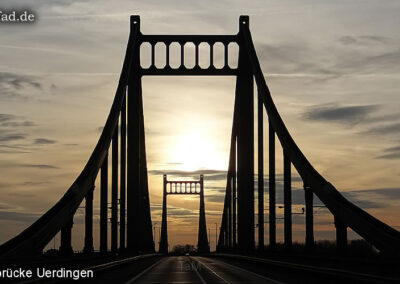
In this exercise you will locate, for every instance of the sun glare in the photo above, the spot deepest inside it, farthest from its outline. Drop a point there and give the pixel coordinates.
(193, 151)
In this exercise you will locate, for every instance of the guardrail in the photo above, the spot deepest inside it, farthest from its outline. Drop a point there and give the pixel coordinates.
(338, 274)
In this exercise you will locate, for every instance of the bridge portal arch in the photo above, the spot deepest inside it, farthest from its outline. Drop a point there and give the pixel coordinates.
(177, 187)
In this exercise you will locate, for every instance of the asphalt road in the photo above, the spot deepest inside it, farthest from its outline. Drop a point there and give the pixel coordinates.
(184, 269)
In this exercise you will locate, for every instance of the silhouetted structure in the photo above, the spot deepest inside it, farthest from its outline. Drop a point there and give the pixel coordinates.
(184, 188)
(241, 164)
(237, 227)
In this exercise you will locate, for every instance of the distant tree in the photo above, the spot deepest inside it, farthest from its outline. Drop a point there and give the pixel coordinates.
(183, 249)
(51, 252)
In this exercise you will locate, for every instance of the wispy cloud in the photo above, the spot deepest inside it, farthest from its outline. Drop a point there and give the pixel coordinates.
(39, 166)
(6, 137)
(19, 216)
(13, 128)
(39, 49)
(41, 141)
(10, 120)
(373, 198)
(390, 153)
(349, 115)
(363, 40)
(11, 85)
(386, 129)
(17, 81)
(209, 174)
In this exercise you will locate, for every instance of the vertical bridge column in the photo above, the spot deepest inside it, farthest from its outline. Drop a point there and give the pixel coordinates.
(272, 202)
(234, 199)
(139, 230)
(202, 245)
(309, 218)
(260, 172)
(65, 246)
(163, 247)
(146, 232)
(88, 248)
(114, 192)
(341, 237)
(245, 142)
(287, 200)
(133, 183)
(104, 204)
(122, 177)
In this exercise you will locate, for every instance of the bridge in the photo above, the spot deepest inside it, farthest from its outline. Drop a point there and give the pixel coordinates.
(133, 255)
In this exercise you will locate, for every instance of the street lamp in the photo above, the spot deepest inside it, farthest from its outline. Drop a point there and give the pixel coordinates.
(295, 213)
(216, 230)
(154, 232)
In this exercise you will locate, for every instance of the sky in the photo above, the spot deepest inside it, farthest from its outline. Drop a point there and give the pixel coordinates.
(332, 68)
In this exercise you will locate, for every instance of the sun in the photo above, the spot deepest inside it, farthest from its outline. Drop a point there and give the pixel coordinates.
(194, 151)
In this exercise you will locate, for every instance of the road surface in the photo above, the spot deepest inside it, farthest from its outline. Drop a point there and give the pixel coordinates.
(188, 269)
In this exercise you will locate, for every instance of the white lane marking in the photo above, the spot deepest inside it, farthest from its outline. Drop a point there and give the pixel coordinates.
(253, 273)
(209, 268)
(197, 273)
(143, 272)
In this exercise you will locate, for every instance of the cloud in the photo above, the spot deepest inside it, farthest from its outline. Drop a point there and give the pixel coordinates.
(175, 211)
(19, 216)
(18, 124)
(39, 166)
(390, 153)
(349, 115)
(390, 193)
(8, 123)
(291, 59)
(11, 85)
(17, 81)
(364, 198)
(355, 62)
(209, 174)
(294, 59)
(359, 199)
(373, 198)
(363, 40)
(215, 198)
(10, 120)
(14, 149)
(6, 137)
(6, 117)
(44, 141)
(34, 183)
(387, 129)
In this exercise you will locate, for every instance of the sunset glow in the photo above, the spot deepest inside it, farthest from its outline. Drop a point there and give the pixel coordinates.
(194, 151)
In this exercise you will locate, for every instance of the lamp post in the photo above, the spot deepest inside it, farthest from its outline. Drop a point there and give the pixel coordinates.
(295, 213)
(216, 231)
(154, 233)
(209, 237)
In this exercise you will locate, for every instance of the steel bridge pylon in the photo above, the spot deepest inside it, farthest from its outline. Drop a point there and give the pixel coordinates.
(123, 138)
(184, 188)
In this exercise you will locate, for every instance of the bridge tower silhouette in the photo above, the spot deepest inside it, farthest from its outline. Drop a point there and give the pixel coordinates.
(184, 188)
(124, 133)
